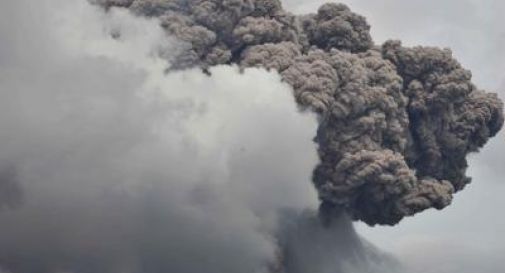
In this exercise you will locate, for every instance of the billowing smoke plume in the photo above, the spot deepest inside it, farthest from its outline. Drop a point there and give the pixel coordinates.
(113, 162)
(396, 123)
(108, 165)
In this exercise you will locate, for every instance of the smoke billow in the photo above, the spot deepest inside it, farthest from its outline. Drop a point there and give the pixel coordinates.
(113, 166)
(396, 123)
(120, 155)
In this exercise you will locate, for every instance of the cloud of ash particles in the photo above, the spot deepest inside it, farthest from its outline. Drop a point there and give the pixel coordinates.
(163, 136)
(396, 123)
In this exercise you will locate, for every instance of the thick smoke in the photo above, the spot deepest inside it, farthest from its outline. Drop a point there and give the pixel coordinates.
(396, 123)
(109, 165)
(112, 162)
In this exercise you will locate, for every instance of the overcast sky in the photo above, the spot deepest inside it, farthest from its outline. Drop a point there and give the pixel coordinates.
(468, 236)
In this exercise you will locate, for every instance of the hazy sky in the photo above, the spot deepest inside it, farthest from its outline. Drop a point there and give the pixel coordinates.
(467, 236)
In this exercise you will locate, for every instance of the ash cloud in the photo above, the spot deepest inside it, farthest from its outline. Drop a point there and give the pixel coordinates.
(123, 168)
(121, 164)
(396, 123)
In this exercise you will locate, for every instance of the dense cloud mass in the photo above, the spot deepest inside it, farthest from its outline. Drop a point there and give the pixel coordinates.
(108, 165)
(396, 123)
(111, 165)
(120, 156)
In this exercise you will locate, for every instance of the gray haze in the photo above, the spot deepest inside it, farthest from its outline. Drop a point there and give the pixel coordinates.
(120, 168)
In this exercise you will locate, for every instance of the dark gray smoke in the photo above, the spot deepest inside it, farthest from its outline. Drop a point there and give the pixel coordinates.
(110, 164)
(396, 123)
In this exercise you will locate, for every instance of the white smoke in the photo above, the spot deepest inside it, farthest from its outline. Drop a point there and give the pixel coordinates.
(124, 168)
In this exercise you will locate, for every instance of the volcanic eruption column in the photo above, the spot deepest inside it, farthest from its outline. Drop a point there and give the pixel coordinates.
(396, 123)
